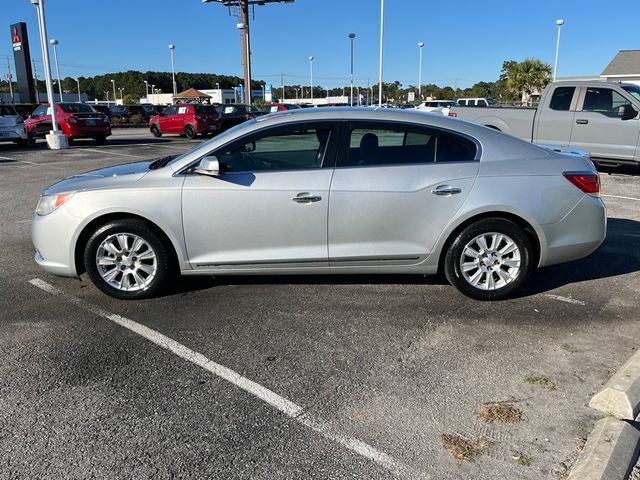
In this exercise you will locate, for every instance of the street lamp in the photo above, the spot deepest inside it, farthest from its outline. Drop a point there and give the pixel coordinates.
(381, 47)
(420, 45)
(54, 42)
(351, 37)
(120, 89)
(311, 69)
(113, 83)
(173, 70)
(79, 97)
(146, 90)
(55, 138)
(559, 23)
(152, 88)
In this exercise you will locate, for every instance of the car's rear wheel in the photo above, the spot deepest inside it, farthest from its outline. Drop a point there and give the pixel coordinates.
(22, 143)
(190, 132)
(489, 259)
(127, 260)
(155, 131)
(100, 140)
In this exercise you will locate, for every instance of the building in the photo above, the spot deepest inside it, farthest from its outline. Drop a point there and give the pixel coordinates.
(625, 67)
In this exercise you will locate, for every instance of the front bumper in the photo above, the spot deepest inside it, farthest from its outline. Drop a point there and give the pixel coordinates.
(578, 234)
(53, 237)
(12, 134)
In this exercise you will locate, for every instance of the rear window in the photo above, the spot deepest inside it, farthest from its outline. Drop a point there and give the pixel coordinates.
(205, 109)
(561, 99)
(7, 110)
(76, 108)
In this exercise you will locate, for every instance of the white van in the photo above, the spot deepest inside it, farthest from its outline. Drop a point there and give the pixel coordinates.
(476, 102)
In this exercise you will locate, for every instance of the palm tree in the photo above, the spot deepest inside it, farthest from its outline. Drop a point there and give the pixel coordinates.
(528, 77)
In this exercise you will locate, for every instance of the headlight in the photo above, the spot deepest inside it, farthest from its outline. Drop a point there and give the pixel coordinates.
(48, 203)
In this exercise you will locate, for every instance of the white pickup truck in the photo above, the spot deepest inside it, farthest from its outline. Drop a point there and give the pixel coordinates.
(597, 116)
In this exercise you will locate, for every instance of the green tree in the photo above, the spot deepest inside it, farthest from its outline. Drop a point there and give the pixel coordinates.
(528, 77)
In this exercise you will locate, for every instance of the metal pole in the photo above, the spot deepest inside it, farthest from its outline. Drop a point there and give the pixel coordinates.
(35, 78)
(46, 63)
(54, 42)
(173, 71)
(113, 83)
(559, 23)
(79, 97)
(9, 79)
(246, 51)
(282, 84)
(311, 67)
(351, 37)
(381, 46)
(420, 46)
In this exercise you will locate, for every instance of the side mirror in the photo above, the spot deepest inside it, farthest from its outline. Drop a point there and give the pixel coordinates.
(627, 112)
(209, 166)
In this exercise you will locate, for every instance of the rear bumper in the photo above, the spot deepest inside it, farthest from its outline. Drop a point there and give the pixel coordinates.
(12, 134)
(577, 235)
(88, 132)
(207, 127)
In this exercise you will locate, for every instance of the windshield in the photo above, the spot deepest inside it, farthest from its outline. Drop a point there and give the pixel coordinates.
(205, 146)
(634, 90)
(76, 107)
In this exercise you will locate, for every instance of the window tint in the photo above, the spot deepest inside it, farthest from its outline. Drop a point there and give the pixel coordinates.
(603, 100)
(471, 102)
(397, 145)
(482, 103)
(561, 99)
(76, 108)
(7, 110)
(170, 111)
(205, 109)
(284, 149)
(38, 112)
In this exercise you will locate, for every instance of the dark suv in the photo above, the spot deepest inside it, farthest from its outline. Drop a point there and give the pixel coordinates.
(232, 114)
(125, 112)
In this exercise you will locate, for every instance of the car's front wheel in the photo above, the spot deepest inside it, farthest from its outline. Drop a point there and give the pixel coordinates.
(127, 260)
(489, 259)
(155, 131)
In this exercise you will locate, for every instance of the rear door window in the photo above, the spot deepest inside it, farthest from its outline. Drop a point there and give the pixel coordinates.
(561, 98)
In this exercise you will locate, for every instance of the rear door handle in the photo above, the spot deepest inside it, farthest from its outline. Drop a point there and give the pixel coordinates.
(582, 121)
(306, 197)
(446, 190)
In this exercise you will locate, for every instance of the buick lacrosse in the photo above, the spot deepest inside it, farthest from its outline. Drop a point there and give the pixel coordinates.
(328, 191)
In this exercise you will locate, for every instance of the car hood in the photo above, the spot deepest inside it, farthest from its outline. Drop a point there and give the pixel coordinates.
(103, 178)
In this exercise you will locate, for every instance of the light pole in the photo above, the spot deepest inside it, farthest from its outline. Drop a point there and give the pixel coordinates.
(420, 46)
(146, 90)
(79, 97)
(152, 88)
(107, 95)
(381, 46)
(55, 138)
(559, 23)
(120, 89)
(173, 70)
(54, 42)
(113, 84)
(352, 36)
(311, 70)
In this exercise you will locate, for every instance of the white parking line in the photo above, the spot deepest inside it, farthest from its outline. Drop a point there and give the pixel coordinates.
(289, 408)
(566, 299)
(618, 196)
(101, 150)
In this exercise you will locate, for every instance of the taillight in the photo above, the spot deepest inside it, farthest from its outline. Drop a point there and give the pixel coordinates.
(453, 114)
(588, 182)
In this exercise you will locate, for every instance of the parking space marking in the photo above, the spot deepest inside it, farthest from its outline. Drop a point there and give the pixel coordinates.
(289, 408)
(565, 299)
(618, 196)
(110, 153)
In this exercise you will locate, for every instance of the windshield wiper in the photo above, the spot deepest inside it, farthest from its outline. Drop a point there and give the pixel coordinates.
(161, 162)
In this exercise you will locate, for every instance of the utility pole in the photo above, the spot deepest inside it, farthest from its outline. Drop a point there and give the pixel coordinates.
(35, 78)
(282, 85)
(9, 78)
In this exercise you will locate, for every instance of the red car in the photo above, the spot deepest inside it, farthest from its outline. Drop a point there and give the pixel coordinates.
(188, 119)
(277, 107)
(76, 120)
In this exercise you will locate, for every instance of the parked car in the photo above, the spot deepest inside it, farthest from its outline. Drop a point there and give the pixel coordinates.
(277, 107)
(316, 191)
(153, 109)
(25, 109)
(601, 117)
(232, 114)
(75, 120)
(439, 106)
(125, 112)
(104, 109)
(12, 127)
(188, 119)
(475, 102)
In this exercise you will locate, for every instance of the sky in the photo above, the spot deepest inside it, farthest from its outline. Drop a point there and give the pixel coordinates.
(466, 41)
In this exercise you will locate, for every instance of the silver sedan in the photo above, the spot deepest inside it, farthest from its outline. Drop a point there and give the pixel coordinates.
(328, 191)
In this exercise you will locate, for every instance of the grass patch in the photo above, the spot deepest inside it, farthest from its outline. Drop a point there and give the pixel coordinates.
(503, 412)
(462, 448)
(541, 380)
(522, 459)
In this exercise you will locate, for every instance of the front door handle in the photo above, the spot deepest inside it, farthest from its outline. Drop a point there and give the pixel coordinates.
(582, 121)
(446, 190)
(306, 197)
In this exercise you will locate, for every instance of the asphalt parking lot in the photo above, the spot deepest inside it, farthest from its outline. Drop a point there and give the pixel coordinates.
(375, 369)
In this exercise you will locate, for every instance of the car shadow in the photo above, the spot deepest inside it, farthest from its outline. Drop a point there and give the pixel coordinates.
(632, 170)
(613, 258)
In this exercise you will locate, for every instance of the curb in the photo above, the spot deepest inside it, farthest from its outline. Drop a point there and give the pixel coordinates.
(621, 394)
(610, 452)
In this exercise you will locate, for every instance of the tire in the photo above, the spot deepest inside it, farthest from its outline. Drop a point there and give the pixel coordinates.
(101, 140)
(22, 143)
(190, 132)
(129, 279)
(70, 141)
(155, 131)
(501, 269)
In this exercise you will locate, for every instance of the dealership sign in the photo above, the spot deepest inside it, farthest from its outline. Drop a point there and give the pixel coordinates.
(22, 58)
